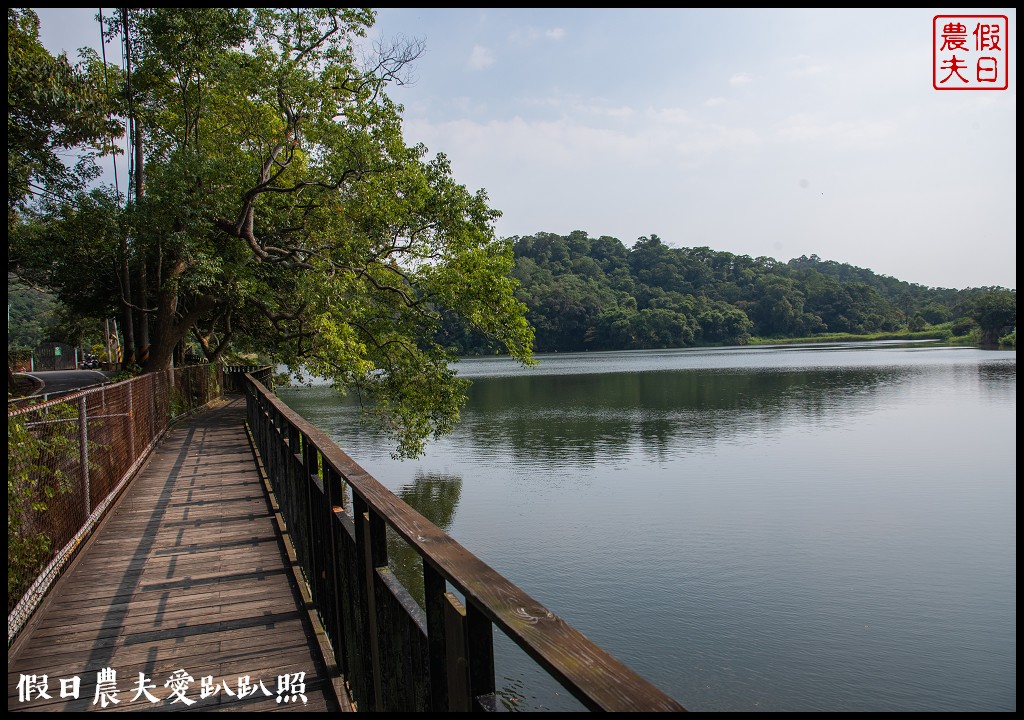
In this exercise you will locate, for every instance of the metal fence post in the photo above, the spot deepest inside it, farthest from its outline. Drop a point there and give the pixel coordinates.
(83, 441)
(131, 421)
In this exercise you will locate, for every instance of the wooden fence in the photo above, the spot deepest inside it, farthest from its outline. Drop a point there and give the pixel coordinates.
(395, 654)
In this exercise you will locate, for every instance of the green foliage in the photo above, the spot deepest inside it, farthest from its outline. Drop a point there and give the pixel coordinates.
(126, 373)
(936, 314)
(940, 333)
(284, 214)
(963, 326)
(586, 293)
(30, 312)
(177, 402)
(995, 311)
(71, 248)
(35, 476)
(52, 106)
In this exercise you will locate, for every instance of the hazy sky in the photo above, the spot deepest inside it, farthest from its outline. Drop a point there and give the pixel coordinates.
(757, 132)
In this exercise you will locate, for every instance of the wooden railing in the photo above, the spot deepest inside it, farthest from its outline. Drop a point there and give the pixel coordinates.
(395, 655)
(234, 376)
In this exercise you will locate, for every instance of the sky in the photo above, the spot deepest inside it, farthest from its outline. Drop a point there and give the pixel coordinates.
(779, 133)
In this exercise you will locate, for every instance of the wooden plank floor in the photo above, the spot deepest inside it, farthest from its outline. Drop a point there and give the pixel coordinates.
(188, 574)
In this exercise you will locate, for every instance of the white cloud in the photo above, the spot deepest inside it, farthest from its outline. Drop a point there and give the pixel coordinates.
(669, 115)
(480, 58)
(697, 145)
(572, 104)
(741, 79)
(863, 134)
(576, 145)
(714, 102)
(623, 112)
(803, 65)
(532, 34)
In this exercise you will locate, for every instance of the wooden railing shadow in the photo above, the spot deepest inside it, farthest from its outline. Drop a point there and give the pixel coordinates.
(395, 655)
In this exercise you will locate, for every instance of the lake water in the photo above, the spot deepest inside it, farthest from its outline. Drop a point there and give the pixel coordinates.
(778, 528)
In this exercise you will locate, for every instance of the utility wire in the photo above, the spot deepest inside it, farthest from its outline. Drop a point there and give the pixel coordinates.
(106, 87)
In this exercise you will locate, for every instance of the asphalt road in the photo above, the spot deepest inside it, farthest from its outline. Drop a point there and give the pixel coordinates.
(64, 381)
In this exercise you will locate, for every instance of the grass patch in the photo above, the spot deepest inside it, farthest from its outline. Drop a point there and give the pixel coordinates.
(939, 332)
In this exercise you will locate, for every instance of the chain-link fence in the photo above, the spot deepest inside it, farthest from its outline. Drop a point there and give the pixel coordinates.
(68, 460)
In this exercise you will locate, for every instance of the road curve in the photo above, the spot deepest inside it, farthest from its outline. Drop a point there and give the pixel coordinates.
(64, 381)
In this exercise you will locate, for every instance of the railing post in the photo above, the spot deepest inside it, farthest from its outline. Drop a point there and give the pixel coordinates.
(152, 409)
(297, 523)
(335, 504)
(371, 545)
(480, 653)
(460, 695)
(435, 596)
(310, 471)
(264, 424)
(131, 421)
(83, 451)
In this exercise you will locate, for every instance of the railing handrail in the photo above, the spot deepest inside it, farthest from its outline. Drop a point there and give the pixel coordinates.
(63, 396)
(591, 674)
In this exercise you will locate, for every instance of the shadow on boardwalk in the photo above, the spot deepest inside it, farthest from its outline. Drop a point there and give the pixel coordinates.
(187, 575)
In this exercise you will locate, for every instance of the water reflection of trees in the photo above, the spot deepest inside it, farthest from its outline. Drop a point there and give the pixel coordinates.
(436, 497)
(600, 417)
(997, 381)
(1003, 371)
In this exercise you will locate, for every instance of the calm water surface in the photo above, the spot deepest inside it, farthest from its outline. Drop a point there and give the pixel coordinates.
(828, 527)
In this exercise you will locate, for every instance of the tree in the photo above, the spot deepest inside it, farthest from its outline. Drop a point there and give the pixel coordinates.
(283, 212)
(934, 313)
(58, 124)
(52, 107)
(29, 312)
(723, 323)
(995, 312)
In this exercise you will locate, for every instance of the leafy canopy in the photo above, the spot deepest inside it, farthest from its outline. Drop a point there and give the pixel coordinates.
(52, 108)
(282, 212)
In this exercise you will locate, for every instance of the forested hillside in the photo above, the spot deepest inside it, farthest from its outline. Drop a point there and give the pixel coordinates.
(586, 293)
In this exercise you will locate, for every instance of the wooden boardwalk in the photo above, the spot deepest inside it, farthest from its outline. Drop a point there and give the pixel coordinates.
(188, 575)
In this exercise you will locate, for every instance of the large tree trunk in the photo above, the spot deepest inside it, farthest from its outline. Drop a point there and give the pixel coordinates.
(161, 353)
(179, 354)
(169, 329)
(142, 301)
